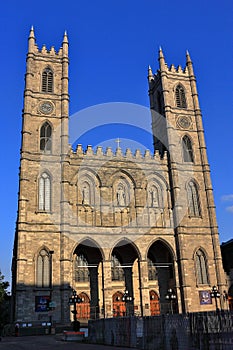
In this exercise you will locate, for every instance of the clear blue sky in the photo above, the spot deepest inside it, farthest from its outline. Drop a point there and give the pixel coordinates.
(111, 45)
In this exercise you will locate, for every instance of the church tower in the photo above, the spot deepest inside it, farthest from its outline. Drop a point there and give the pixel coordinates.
(43, 149)
(177, 127)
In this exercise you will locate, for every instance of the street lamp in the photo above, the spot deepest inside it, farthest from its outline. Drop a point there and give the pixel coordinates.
(127, 299)
(51, 303)
(171, 296)
(75, 299)
(215, 295)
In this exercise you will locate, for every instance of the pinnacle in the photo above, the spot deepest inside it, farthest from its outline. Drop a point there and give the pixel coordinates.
(32, 35)
(188, 59)
(150, 73)
(65, 37)
(161, 52)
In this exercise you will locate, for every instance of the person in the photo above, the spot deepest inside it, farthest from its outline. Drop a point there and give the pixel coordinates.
(16, 329)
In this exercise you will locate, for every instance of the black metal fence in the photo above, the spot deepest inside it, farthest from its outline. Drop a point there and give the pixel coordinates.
(194, 331)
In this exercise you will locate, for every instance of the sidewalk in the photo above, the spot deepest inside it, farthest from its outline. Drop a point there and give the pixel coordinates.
(48, 342)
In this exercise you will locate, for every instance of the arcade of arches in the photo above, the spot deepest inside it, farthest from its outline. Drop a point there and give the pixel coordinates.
(101, 283)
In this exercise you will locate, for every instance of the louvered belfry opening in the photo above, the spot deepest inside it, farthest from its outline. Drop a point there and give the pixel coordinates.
(180, 97)
(47, 80)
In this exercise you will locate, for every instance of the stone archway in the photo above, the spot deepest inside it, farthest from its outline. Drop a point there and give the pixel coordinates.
(161, 274)
(128, 257)
(87, 261)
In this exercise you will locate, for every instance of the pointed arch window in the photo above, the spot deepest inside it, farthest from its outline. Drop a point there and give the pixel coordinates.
(45, 192)
(180, 97)
(117, 270)
(152, 271)
(201, 267)
(81, 269)
(187, 149)
(43, 269)
(46, 138)
(193, 200)
(47, 80)
(159, 102)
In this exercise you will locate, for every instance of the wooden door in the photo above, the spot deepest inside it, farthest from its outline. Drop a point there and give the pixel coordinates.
(83, 308)
(230, 301)
(154, 303)
(118, 305)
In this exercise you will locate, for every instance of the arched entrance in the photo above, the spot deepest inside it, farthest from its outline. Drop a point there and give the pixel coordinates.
(126, 272)
(118, 305)
(161, 274)
(154, 303)
(83, 309)
(87, 266)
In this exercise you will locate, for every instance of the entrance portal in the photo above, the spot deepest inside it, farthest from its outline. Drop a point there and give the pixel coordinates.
(83, 309)
(119, 308)
(154, 303)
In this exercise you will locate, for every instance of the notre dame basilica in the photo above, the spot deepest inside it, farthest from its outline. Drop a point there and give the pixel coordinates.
(130, 233)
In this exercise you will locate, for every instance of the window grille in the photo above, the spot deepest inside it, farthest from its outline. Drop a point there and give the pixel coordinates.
(81, 269)
(117, 270)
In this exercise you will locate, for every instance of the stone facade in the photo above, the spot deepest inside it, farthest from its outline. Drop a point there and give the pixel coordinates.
(103, 223)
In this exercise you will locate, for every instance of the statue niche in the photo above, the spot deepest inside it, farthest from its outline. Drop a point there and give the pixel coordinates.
(85, 194)
(153, 197)
(121, 196)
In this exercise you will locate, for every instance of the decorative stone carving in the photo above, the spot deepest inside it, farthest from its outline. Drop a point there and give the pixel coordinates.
(121, 196)
(85, 195)
(184, 122)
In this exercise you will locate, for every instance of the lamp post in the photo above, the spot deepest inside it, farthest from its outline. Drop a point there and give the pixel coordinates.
(215, 295)
(51, 306)
(75, 299)
(127, 299)
(171, 296)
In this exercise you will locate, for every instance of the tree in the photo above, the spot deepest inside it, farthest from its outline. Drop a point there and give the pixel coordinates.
(4, 301)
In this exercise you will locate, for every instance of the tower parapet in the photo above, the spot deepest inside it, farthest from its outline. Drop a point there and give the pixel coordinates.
(33, 47)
